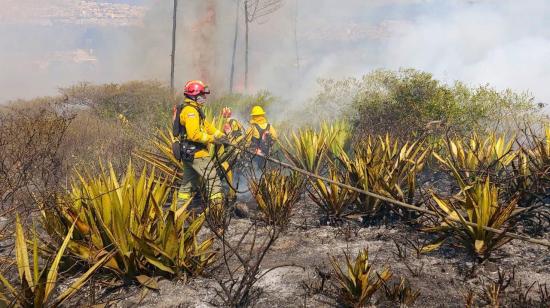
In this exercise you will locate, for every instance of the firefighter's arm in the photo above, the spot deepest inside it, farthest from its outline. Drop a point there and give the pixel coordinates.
(190, 118)
(249, 134)
(212, 130)
(239, 126)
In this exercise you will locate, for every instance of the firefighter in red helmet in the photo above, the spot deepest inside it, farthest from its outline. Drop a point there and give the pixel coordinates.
(196, 134)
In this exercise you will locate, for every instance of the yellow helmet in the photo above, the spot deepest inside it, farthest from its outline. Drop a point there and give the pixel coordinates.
(257, 111)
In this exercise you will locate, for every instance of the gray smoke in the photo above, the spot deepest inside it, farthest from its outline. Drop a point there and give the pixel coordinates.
(505, 43)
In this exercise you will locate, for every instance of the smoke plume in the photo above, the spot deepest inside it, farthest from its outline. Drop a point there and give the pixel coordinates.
(504, 43)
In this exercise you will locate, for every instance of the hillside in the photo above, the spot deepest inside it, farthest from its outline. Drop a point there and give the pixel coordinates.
(97, 13)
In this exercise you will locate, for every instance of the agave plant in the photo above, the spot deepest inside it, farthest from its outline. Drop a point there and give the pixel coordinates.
(531, 179)
(126, 217)
(542, 151)
(401, 293)
(308, 149)
(276, 195)
(358, 281)
(36, 286)
(386, 167)
(478, 156)
(334, 200)
(338, 134)
(478, 204)
(534, 161)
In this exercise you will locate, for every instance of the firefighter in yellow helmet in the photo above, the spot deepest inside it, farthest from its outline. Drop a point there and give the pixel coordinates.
(196, 134)
(261, 135)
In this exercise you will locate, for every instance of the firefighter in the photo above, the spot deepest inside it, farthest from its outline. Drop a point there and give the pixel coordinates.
(261, 135)
(197, 134)
(234, 131)
(232, 128)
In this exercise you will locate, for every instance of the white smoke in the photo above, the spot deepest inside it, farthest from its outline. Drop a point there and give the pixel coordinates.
(505, 43)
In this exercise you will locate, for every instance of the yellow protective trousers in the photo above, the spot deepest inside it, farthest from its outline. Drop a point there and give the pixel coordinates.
(201, 171)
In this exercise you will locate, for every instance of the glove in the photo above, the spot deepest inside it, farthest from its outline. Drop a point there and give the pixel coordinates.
(226, 112)
(227, 128)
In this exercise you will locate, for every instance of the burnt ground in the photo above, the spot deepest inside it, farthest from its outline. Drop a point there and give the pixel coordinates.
(442, 277)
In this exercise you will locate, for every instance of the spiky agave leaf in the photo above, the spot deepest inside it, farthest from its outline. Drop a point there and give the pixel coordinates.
(126, 217)
(478, 204)
(307, 149)
(35, 289)
(358, 281)
(276, 194)
(338, 134)
(384, 166)
(474, 156)
(334, 200)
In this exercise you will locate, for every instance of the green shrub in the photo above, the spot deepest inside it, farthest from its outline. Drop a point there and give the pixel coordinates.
(410, 101)
(147, 104)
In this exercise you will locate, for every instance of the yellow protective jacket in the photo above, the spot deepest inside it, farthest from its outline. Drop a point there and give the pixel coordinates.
(252, 132)
(197, 129)
(237, 130)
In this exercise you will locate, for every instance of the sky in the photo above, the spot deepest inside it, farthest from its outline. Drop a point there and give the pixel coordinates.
(504, 43)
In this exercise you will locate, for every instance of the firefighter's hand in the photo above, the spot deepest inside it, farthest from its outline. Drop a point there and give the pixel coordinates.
(222, 140)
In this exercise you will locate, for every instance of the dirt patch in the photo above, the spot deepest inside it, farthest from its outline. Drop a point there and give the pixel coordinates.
(443, 277)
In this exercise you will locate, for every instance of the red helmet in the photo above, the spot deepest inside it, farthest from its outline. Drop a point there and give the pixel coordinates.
(195, 87)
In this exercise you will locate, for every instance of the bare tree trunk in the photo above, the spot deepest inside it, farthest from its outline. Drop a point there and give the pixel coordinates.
(232, 77)
(296, 38)
(246, 18)
(173, 56)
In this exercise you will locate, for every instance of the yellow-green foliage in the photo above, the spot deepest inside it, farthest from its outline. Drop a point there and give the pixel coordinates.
(479, 204)
(386, 167)
(358, 281)
(276, 195)
(144, 103)
(36, 286)
(215, 118)
(163, 160)
(127, 217)
(307, 149)
(337, 133)
(534, 161)
(478, 155)
(331, 198)
(540, 156)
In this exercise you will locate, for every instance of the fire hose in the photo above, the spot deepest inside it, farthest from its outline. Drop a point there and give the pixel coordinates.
(390, 200)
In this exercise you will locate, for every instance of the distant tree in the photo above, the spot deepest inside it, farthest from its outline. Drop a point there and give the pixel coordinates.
(235, 37)
(296, 37)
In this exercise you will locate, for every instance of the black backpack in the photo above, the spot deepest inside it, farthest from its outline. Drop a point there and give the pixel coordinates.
(177, 129)
(265, 140)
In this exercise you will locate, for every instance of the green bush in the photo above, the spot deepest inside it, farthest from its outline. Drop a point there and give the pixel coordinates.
(143, 103)
(405, 101)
